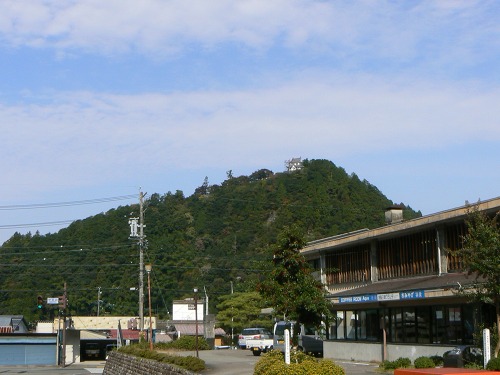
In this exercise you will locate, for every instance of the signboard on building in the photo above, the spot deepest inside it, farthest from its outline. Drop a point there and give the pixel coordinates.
(396, 296)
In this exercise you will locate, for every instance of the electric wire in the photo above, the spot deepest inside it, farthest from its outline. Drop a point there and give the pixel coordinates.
(65, 204)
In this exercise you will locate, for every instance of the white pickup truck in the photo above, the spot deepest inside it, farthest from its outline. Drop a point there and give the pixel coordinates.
(259, 346)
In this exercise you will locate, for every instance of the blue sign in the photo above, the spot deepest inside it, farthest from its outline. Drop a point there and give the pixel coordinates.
(414, 294)
(358, 299)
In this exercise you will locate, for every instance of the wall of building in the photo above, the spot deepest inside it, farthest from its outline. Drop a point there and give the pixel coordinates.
(185, 310)
(373, 352)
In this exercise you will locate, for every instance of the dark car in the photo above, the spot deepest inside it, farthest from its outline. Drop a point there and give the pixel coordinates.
(463, 355)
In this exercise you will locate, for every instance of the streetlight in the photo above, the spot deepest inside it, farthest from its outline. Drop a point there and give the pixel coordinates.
(148, 268)
(196, 319)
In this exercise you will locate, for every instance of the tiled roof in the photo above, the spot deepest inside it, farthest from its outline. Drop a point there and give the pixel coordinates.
(127, 334)
(189, 329)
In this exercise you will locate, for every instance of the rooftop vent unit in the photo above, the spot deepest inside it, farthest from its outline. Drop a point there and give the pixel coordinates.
(393, 215)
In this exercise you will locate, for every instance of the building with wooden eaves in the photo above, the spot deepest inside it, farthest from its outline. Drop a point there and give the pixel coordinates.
(395, 289)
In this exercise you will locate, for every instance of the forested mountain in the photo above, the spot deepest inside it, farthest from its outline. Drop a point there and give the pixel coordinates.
(216, 236)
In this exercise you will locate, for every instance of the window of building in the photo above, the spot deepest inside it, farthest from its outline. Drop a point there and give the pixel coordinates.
(423, 324)
(368, 325)
(350, 325)
(414, 324)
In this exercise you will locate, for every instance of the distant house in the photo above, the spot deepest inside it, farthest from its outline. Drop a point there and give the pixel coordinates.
(293, 164)
(188, 320)
(13, 324)
(18, 346)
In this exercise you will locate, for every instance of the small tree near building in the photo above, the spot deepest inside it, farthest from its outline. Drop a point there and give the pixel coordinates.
(481, 256)
(290, 288)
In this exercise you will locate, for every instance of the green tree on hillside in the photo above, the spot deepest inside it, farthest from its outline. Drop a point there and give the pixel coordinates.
(481, 256)
(291, 289)
(241, 310)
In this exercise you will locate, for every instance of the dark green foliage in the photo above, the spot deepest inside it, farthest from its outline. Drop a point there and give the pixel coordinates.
(241, 310)
(424, 362)
(437, 359)
(219, 234)
(189, 363)
(398, 363)
(185, 343)
(273, 363)
(290, 287)
(481, 257)
(403, 362)
(493, 364)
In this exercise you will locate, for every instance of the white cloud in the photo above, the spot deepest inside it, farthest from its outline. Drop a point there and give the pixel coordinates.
(378, 28)
(86, 135)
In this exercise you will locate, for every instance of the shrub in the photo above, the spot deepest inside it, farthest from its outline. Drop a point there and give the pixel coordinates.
(189, 363)
(403, 362)
(184, 343)
(493, 364)
(437, 359)
(398, 363)
(388, 365)
(273, 363)
(424, 362)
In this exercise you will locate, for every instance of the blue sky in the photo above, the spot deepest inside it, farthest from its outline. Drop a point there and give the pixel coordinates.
(103, 98)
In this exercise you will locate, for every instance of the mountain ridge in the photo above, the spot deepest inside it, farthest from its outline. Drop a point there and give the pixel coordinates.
(220, 233)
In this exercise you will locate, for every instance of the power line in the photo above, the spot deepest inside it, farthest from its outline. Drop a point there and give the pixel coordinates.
(31, 225)
(65, 204)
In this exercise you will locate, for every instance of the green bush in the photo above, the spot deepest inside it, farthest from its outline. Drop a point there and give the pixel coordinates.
(184, 343)
(398, 363)
(403, 362)
(493, 364)
(437, 359)
(387, 365)
(273, 363)
(189, 363)
(424, 362)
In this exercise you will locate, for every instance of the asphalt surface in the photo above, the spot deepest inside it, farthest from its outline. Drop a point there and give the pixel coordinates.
(218, 362)
(242, 362)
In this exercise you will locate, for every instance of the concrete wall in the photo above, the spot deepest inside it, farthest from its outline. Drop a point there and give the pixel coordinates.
(72, 346)
(373, 352)
(122, 364)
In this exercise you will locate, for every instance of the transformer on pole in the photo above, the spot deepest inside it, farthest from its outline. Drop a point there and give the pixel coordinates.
(137, 231)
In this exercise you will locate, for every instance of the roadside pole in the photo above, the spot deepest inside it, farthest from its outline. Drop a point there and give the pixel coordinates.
(287, 346)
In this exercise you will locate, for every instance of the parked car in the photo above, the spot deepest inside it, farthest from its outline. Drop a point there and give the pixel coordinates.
(253, 334)
(92, 350)
(309, 340)
(463, 355)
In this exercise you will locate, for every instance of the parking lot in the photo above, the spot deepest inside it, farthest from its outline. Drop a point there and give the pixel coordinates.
(219, 362)
(242, 362)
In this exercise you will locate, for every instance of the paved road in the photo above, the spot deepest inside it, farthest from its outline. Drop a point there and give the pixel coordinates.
(242, 362)
(84, 368)
(219, 362)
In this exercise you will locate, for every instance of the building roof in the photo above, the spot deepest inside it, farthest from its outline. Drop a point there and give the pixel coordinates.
(189, 329)
(430, 221)
(105, 322)
(92, 335)
(12, 324)
(127, 334)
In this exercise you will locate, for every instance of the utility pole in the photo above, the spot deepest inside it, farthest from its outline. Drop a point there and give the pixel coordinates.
(64, 305)
(141, 262)
(133, 234)
(98, 299)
